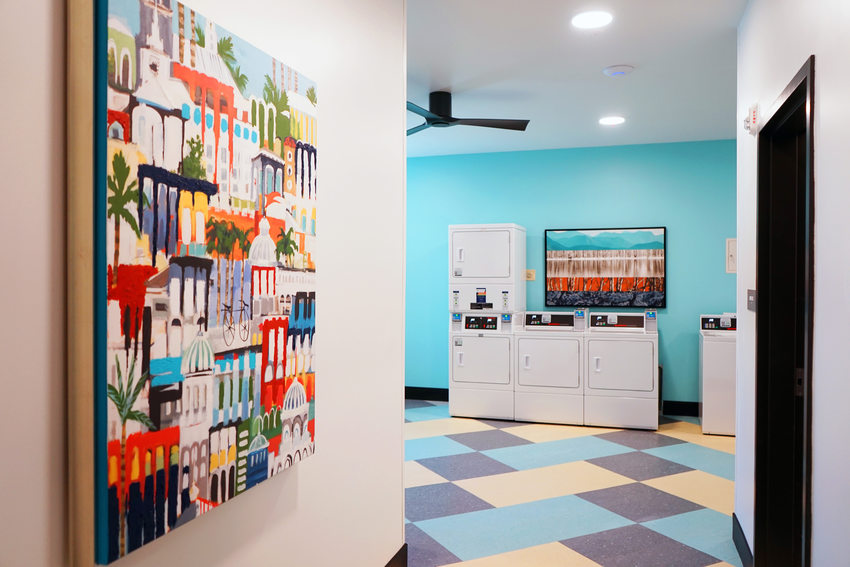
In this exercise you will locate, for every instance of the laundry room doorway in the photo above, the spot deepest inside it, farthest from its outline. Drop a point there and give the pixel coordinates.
(785, 284)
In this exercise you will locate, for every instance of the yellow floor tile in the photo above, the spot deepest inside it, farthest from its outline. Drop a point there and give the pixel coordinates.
(548, 555)
(435, 427)
(419, 475)
(511, 488)
(718, 442)
(692, 433)
(700, 487)
(679, 426)
(541, 432)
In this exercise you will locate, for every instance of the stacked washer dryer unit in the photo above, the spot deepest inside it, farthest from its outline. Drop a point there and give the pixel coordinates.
(549, 384)
(717, 373)
(486, 293)
(621, 356)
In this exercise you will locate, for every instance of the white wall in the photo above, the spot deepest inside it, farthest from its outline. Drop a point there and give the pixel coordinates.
(344, 504)
(774, 39)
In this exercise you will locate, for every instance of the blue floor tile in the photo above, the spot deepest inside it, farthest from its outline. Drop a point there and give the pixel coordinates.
(422, 551)
(706, 530)
(698, 457)
(488, 532)
(415, 449)
(549, 453)
(440, 411)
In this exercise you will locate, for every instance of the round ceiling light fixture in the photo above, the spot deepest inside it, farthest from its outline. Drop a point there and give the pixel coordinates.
(618, 70)
(592, 20)
(611, 120)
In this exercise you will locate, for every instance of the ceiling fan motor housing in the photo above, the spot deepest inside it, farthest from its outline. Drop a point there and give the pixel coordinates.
(440, 103)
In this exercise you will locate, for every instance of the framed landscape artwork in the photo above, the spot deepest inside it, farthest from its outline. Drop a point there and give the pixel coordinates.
(614, 267)
(204, 270)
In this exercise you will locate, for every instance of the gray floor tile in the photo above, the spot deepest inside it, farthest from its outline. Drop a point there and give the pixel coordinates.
(466, 465)
(423, 550)
(410, 404)
(640, 439)
(438, 500)
(490, 439)
(639, 466)
(639, 502)
(637, 546)
(502, 424)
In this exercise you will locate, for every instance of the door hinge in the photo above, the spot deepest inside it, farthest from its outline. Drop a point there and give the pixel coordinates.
(798, 382)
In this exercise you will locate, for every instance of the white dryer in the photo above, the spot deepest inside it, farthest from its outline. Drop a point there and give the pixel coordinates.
(487, 268)
(621, 357)
(549, 383)
(717, 373)
(481, 376)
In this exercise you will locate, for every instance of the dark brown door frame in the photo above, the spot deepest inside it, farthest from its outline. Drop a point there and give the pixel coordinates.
(784, 327)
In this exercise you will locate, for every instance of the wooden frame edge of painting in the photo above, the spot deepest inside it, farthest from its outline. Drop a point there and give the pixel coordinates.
(79, 136)
(577, 285)
(190, 361)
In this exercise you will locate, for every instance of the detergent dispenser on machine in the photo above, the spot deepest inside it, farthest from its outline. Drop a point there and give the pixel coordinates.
(621, 356)
(717, 373)
(549, 377)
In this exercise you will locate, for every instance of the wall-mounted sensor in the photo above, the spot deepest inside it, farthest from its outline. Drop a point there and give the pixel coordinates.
(618, 70)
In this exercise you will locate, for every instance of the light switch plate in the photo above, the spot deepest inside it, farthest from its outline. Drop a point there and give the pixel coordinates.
(530, 275)
(752, 300)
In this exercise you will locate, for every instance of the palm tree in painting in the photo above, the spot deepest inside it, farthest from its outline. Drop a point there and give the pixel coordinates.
(242, 240)
(122, 195)
(285, 245)
(201, 39)
(216, 234)
(311, 95)
(240, 78)
(225, 51)
(278, 98)
(124, 398)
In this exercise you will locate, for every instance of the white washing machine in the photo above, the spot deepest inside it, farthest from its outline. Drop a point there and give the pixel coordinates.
(717, 373)
(549, 384)
(621, 358)
(487, 268)
(481, 376)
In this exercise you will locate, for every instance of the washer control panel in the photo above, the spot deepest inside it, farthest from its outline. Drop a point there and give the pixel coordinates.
(718, 322)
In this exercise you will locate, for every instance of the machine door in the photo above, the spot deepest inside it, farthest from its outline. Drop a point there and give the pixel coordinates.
(548, 362)
(481, 254)
(620, 365)
(482, 360)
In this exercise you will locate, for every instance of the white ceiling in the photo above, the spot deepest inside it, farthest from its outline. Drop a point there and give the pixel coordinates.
(523, 59)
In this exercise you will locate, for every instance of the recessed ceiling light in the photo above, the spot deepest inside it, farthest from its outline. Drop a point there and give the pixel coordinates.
(591, 20)
(618, 70)
(611, 120)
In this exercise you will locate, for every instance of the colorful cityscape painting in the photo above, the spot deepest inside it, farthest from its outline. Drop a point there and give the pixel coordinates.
(209, 204)
(622, 267)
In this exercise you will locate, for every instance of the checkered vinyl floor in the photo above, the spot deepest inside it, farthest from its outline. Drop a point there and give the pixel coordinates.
(486, 493)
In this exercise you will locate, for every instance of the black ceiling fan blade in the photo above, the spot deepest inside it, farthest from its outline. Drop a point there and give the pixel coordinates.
(419, 128)
(426, 114)
(491, 123)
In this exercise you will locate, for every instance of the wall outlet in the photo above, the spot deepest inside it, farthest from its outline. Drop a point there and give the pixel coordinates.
(530, 275)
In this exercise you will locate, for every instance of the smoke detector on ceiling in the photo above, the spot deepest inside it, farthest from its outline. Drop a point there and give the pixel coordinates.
(618, 70)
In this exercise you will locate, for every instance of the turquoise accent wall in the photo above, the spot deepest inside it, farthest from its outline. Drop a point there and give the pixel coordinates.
(687, 187)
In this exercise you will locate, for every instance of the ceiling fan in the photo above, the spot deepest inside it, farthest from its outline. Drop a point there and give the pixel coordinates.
(439, 115)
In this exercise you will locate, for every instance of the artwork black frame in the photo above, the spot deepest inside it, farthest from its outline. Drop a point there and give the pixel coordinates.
(584, 298)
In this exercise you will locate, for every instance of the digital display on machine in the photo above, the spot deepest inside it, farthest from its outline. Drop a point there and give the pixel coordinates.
(549, 319)
(628, 321)
(489, 323)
